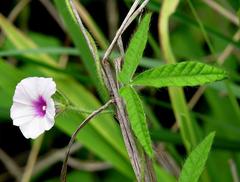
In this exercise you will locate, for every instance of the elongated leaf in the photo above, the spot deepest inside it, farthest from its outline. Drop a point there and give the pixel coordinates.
(92, 65)
(135, 50)
(180, 74)
(195, 163)
(137, 118)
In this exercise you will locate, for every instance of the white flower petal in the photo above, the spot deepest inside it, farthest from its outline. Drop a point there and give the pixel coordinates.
(46, 87)
(21, 95)
(28, 86)
(21, 113)
(34, 128)
(48, 123)
(22, 120)
(32, 87)
(51, 110)
(50, 114)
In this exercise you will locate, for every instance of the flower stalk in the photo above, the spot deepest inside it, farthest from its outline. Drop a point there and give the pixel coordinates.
(63, 107)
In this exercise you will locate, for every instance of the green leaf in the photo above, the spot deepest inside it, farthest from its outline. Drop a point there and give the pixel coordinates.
(137, 118)
(135, 50)
(195, 163)
(181, 74)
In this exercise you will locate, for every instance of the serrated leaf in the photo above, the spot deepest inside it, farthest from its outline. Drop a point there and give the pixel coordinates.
(195, 163)
(137, 118)
(181, 74)
(135, 50)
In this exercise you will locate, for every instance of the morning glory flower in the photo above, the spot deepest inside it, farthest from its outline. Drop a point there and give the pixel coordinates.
(33, 108)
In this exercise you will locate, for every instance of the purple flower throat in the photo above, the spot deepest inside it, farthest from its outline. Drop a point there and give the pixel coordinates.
(40, 106)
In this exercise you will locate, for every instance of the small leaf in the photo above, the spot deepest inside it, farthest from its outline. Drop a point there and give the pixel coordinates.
(135, 50)
(137, 118)
(195, 163)
(181, 74)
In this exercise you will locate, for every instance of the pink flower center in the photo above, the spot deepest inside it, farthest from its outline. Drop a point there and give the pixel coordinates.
(40, 106)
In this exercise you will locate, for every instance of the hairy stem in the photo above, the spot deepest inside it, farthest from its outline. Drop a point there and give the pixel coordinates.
(137, 162)
(73, 108)
(128, 136)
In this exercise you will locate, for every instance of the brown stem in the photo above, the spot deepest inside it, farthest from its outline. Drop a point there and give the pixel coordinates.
(124, 124)
(74, 135)
(128, 136)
